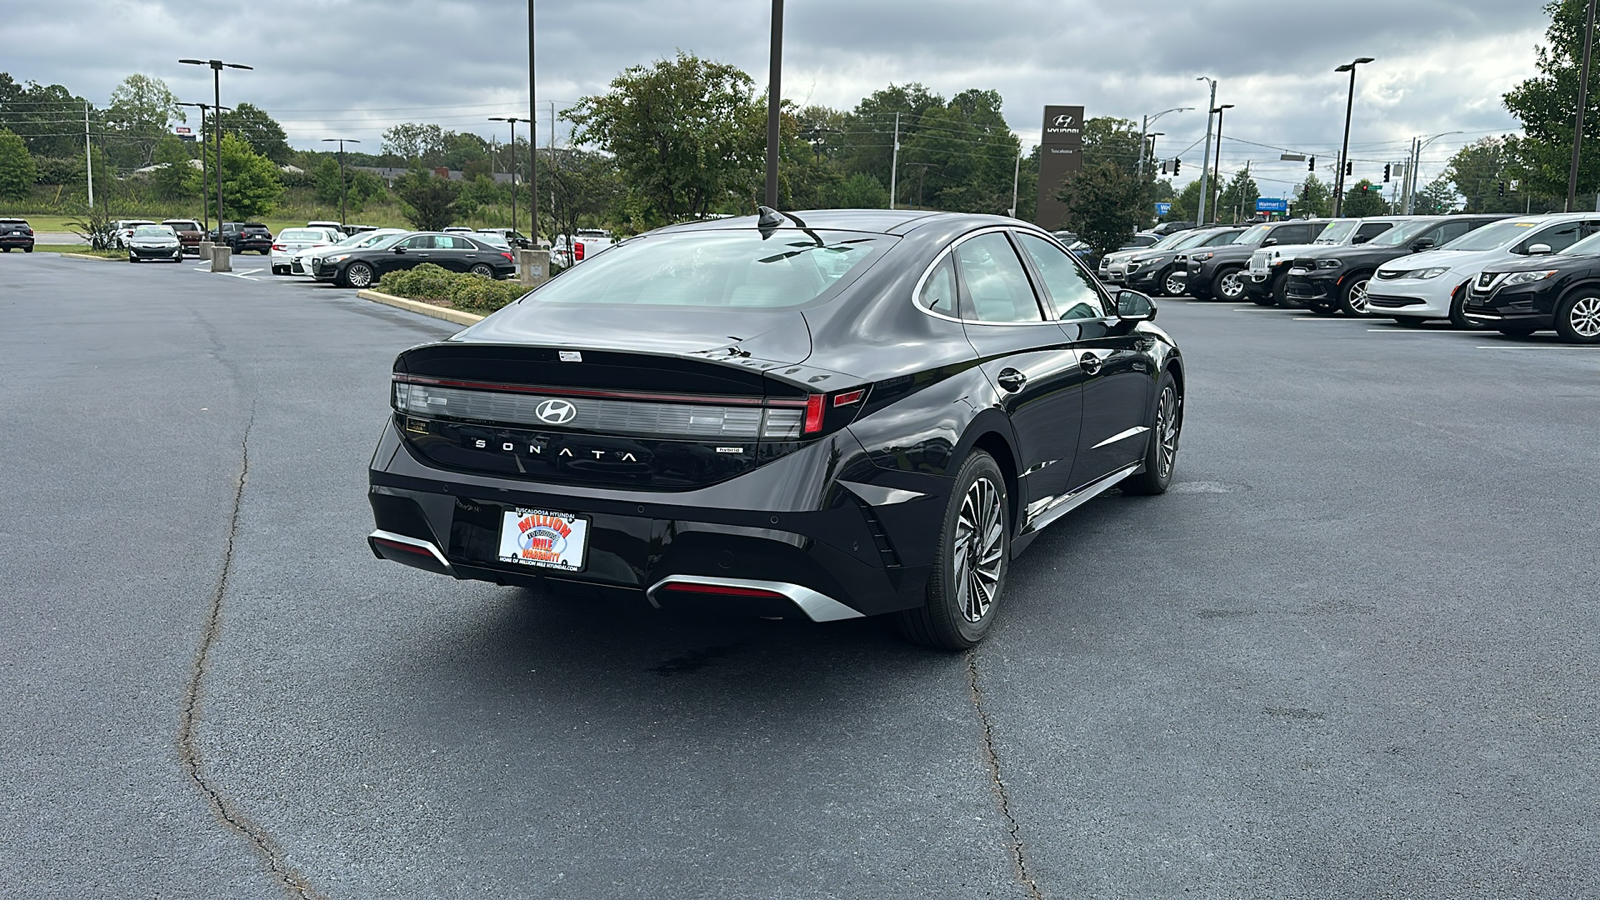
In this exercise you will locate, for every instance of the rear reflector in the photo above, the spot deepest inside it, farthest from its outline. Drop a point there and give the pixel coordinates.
(409, 548)
(720, 590)
(848, 397)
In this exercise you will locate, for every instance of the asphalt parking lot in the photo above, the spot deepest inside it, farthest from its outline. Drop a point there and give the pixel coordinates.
(1352, 653)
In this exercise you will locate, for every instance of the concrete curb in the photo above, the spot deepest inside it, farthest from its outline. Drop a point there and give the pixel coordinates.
(87, 256)
(417, 306)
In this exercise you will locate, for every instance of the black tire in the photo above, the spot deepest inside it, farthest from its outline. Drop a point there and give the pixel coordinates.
(27, 249)
(483, 269)
(1353, 296)
(1228, 284)
(5, 249)
(1280, 291)
(358, 275)
(1516, 332)
(955, 616)
(132, 258)
(1171, 284)
(1166, 426)
(280, 270)
(1578, 318)
(1458, 315)
(178, 257)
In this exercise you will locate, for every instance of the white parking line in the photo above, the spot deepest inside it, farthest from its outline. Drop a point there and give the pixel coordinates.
(1537, 347)
(1423, 331)
(1322, 319)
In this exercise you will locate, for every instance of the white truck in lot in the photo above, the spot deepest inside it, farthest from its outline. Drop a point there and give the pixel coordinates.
(579, 246)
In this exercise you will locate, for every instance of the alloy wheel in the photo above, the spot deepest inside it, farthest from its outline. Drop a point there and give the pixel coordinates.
(1231, 286)
(1168, 422)
(358, 275)
(1174, 286)
(1358, 297)
(978, 549)
(1584, 317)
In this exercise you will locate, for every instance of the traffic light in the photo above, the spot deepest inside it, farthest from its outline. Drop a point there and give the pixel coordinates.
(1177, 165)
(1164, 167)
(1386, 173)
(1502, 188)
(1347, 168)
(1312, 166)
(1363, 187)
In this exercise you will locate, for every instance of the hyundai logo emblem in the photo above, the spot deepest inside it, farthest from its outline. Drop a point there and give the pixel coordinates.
(556, 412)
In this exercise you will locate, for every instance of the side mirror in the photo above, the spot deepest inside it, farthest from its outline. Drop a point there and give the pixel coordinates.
(1540, 250)
(399, 250)
(1269, 242)
(1421, 244)
(1361, 239)
(1133, 306)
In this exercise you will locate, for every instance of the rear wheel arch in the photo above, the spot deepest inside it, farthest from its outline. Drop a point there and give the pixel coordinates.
(992, 441)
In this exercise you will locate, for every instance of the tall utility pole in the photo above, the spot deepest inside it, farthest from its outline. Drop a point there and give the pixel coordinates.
(88, 152)
(514, 120)
(217, 66)
(894, 160)
(774, 74)
(1200, 219)
(1216, 180)
(205, 185)
(553, 217)
(1144, 132)
(1583, 101)
(1016, 176)
(1418, 145)
(1344, 152)
(533, 146)
(344, 215)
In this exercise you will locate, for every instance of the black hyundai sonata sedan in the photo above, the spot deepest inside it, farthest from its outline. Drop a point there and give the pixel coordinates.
(825, 415)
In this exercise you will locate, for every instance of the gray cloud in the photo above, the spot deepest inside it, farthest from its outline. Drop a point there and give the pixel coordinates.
(354, 67)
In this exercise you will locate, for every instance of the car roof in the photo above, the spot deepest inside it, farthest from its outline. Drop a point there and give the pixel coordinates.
(882, 221)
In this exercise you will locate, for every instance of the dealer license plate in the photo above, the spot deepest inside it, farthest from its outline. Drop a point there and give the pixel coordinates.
(540, 537)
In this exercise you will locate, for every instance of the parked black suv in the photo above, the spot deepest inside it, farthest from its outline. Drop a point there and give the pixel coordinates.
(1220, 273)
(1559, 291)
(244, 236)
(1328, 279)
(1165, 272)
(16, 233)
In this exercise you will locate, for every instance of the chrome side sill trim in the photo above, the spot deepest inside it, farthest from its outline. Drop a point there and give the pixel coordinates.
(817, 607)
(1121, 436)
(1068, 502)
(409, 541)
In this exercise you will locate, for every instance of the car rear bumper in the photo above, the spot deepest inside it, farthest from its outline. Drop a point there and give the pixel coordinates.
(15, 240)
(731, 547)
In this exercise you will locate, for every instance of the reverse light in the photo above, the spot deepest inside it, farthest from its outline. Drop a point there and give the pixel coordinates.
(1528, 277)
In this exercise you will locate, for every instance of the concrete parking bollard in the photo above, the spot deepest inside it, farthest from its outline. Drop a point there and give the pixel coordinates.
(205, 251)
(533, 267)
(221, 259)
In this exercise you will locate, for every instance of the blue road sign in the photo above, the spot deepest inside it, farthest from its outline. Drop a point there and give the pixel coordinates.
(1271, 204)
(1163, 208)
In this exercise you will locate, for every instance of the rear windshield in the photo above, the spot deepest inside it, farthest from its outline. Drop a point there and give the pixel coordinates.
(302, 234)
(1493, 237)
(790, 267)
(185, 224)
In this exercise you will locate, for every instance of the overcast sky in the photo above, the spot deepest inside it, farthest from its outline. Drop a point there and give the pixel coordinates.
(351, 68)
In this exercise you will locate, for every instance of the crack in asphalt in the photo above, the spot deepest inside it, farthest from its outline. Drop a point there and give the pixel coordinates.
(997, 784)
(188, 744)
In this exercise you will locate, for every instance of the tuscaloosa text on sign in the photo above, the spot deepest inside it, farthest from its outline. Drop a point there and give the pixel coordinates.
(1060, 154)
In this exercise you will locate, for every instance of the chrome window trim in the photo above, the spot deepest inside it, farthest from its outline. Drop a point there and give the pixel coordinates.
(916, 292)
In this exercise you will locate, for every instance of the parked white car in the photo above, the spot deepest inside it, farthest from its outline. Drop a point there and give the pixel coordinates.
(1434, 284)
(292, 240)
(302, 262)
(335, 227)
(1114, 265)
(124, 231)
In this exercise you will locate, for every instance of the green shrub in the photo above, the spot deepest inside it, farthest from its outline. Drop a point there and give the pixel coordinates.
(464, 291)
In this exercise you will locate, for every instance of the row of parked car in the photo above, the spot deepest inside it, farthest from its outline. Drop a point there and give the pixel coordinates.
(1516, 275)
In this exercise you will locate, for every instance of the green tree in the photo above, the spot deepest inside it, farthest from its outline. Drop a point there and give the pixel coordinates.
(1477, 171)
(684, 132)
(143, 110)
(418, 143)
(1106, 138)
(1314, 199)
(262, 132)
(1104, 204)
(251, 185)
(1365, 199)
(17, 171)
(1237, 200)
(859, 191)
(427, 201)
(866, 142)
(1437, 199)
(968, 154)
(176, 179)
(588, 190)
(37, 112)
(1547, 106)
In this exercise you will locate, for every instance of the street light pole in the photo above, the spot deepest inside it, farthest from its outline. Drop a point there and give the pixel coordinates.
(533, 147)
(344, 215)
(1216, 180)
(775, 73)
(1417, 146)
(217, 66)
(514, 120)
(1344, 153)
(1583, 101)
(205, 184)
(1205, 191)
(1144, 131)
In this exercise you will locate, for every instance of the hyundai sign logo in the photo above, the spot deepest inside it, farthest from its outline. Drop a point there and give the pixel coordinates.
(556, 412)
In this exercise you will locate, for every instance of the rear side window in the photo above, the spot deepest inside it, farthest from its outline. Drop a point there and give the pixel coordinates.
(1293, 234)
(724, 268)
(1071, 291)
(996, 283)
(1370, 230)
(938, 293)
(1449, 231)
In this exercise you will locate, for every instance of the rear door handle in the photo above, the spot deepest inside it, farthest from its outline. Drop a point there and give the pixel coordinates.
(1012, 380)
